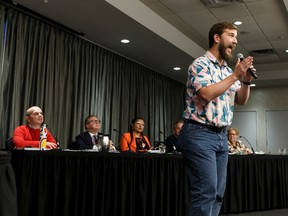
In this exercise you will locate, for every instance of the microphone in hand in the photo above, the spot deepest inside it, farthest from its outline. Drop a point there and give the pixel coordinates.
(252, 71)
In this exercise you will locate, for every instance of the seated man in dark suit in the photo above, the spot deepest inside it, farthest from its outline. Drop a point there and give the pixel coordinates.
(171, 141)
(89, 139)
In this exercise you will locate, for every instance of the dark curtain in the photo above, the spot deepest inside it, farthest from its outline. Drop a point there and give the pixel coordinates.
(71, 78)
(2, 50)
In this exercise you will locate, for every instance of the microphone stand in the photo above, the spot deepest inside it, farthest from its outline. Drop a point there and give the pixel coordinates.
(161, 132)
(121, 134)
(158, 143)
(248, 143)
(57, 142)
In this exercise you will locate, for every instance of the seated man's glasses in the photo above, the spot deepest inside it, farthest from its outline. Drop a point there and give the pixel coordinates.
(95, 121)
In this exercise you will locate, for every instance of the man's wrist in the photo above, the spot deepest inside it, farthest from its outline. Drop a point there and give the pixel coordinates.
(246, 83)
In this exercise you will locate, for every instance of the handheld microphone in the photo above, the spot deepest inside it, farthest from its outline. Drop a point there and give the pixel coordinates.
(248, 143)
(250, 70)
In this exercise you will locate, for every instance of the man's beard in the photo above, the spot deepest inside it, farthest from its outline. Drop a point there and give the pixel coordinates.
(223, 54)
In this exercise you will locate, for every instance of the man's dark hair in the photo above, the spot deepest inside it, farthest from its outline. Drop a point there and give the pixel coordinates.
(177, 122)
(219, 28)
(87, 119)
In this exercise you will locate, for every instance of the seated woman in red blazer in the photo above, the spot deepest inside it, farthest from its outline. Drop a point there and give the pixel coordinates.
(135, 141)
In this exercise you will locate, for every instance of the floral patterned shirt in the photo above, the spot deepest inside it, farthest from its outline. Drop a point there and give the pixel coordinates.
(238, 148)
(205, 71)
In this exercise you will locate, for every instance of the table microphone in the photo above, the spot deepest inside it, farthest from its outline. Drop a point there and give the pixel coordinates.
(161, 132)
(121, 134)
(117, 131)
(57, 142)
(248, 143)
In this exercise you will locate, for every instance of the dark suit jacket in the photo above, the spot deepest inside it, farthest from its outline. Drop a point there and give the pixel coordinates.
(171, 143)
(83, 141)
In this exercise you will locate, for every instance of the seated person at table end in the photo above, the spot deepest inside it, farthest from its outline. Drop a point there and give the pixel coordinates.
(134, 140)
(89, 139)
(235, 145)
(171, 141)
(28, 135)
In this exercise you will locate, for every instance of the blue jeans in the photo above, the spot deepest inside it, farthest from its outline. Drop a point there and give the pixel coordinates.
(206, 155)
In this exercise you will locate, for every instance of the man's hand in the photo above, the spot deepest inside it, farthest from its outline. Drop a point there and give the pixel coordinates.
(51, 145)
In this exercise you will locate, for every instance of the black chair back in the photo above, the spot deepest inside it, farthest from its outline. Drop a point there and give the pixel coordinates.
(9, 144)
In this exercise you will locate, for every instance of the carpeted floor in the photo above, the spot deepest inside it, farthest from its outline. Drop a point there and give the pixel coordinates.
(274, 212)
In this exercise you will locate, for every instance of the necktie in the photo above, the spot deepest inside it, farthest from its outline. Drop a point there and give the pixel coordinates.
(95, 140)
(96, 145)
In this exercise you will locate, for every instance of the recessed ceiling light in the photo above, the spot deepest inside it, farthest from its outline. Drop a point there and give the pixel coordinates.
(286, 50)
(252, 85)
(177, 68)
(125, 41)
(237, 23)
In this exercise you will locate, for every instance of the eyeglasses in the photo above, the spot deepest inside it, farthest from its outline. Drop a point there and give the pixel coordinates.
(95, 121)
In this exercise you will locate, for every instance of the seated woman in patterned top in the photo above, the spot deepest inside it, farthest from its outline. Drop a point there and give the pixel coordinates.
(235, 145)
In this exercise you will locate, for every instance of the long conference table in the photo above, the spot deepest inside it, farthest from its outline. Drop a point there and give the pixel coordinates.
(143, 184)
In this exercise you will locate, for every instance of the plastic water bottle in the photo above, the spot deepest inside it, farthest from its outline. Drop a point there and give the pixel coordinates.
(43, 137)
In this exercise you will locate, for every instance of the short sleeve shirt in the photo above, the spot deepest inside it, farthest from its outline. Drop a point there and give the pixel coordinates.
(205, 71)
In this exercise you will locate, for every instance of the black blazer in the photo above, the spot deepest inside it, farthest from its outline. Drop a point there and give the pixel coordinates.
(171, 143)
(83, 141)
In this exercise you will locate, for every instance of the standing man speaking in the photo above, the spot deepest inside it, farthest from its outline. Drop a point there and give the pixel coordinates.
(212, 90)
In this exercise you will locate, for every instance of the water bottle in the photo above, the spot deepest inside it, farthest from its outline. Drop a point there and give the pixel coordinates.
(43, 137)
